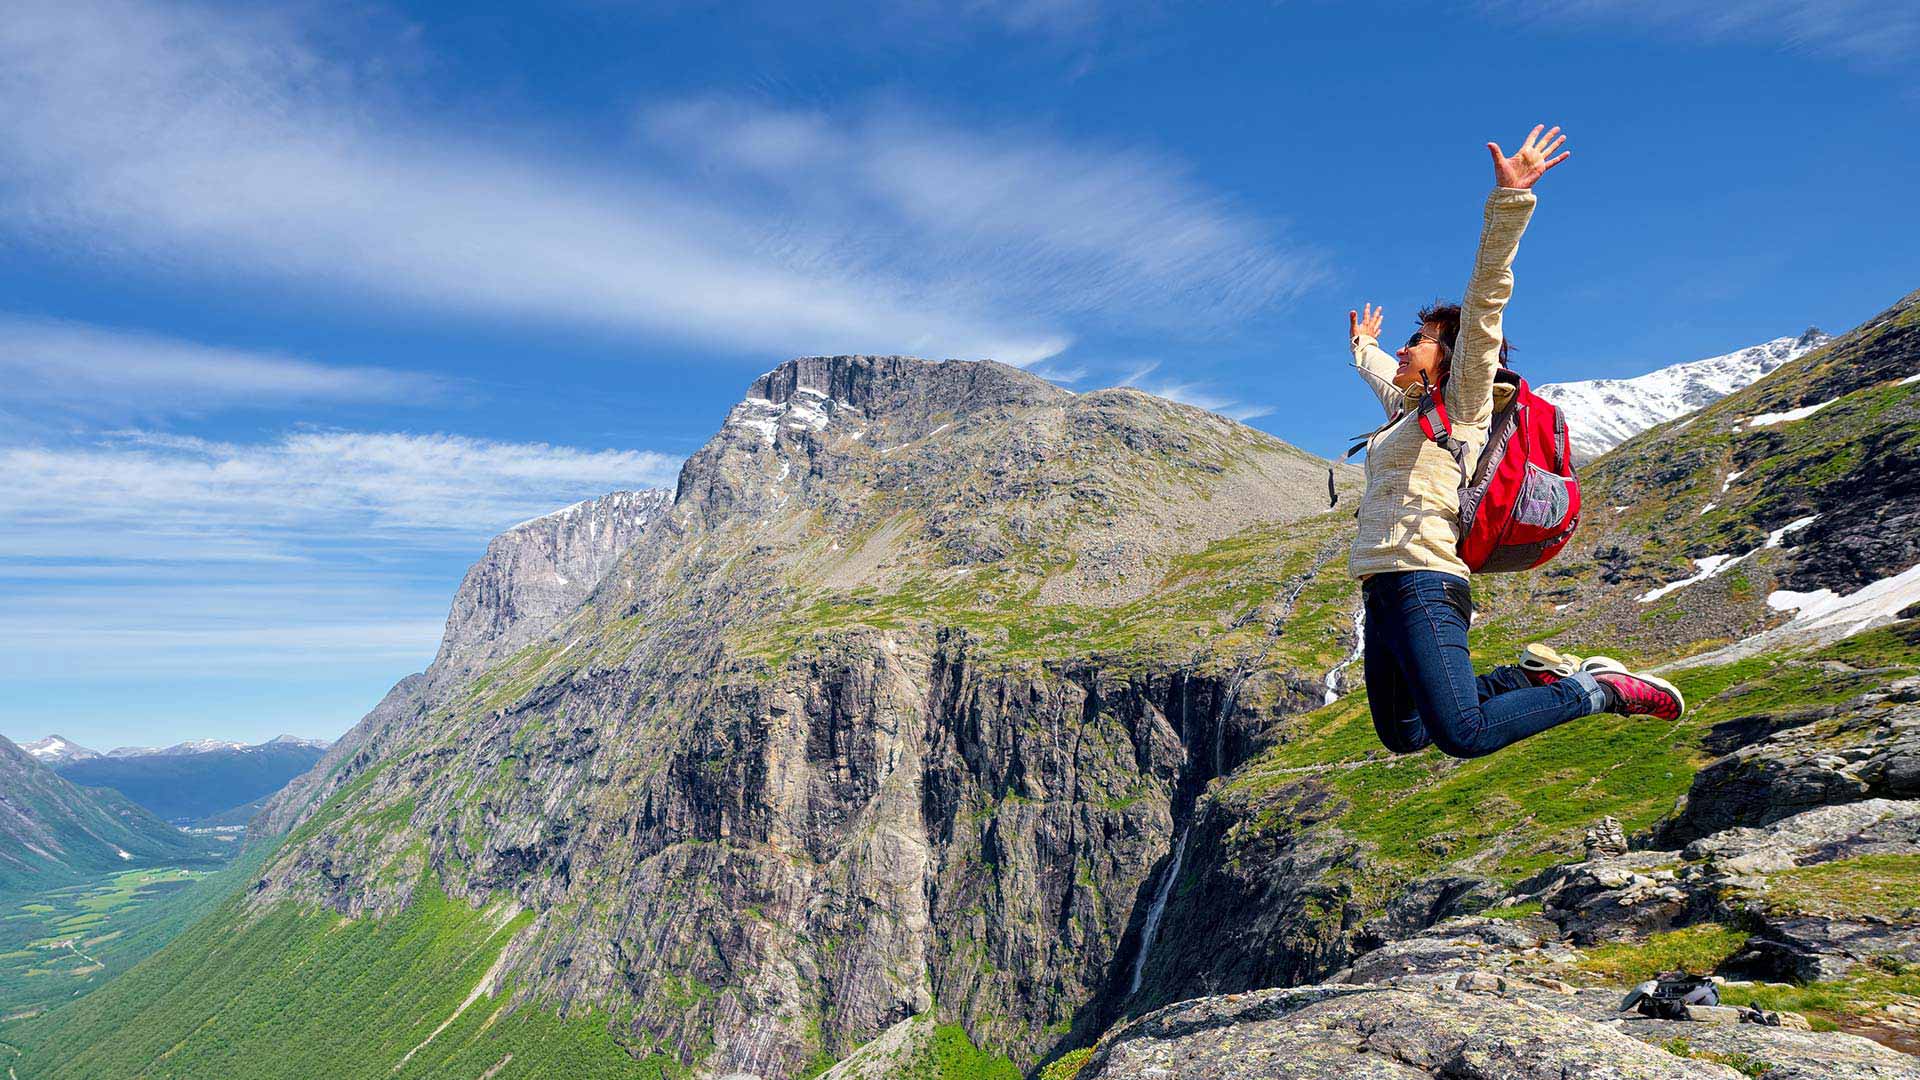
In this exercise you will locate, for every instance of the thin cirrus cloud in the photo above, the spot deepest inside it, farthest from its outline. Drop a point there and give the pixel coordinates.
(1072, 230)
(318, 551)
(149, 498)
(228, 145)
(1874, 34)
(1196, 394)
(102, 373)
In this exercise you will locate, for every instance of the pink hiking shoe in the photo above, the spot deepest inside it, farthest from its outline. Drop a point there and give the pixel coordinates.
(1637, 694)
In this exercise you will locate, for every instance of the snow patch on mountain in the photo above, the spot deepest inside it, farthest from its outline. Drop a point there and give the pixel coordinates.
(1603, 413)
(1864, 608)
(58, 749)
(1790, 416)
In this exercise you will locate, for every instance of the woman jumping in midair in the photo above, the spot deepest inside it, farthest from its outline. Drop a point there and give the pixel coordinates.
(1420, 679)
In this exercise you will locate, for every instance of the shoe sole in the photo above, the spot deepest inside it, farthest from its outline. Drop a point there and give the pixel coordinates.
(1545, 658)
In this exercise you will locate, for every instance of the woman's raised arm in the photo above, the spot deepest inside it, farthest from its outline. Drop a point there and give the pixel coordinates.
(1476, 354)
(1373, 363)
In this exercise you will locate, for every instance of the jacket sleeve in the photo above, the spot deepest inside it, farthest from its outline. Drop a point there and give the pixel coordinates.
(1476, 354)
(1376, 369)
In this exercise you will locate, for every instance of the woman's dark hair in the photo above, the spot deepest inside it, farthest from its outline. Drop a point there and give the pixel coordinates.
(1448, 316)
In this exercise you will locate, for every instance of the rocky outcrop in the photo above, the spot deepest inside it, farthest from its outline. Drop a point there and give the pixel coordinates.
(1421, 1028)
(537, 573)
(530, 577)
(1867, 748)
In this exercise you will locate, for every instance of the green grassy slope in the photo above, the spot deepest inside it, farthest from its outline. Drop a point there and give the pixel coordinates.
(67, 942)
(293, 995)
(1527, 807)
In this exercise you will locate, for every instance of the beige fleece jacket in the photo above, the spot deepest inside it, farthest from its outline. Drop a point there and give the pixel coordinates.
(1409, 517)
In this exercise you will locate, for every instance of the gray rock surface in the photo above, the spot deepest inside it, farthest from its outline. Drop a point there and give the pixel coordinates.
(1379, 1033)
(537, 573)
(762, 835)
(1868, 748)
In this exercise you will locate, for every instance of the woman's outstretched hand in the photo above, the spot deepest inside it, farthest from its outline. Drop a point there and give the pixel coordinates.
(1529, 163)
(1369, 323)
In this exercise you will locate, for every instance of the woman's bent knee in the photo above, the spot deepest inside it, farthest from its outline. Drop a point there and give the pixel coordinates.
(1461, 735)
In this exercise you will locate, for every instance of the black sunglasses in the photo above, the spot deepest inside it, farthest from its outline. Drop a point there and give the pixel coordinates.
(1420, 336)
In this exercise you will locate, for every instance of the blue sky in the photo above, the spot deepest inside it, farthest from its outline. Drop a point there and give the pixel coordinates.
(303, 302)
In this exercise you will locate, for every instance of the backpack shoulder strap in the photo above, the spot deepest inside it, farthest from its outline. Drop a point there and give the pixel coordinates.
(1438, 427)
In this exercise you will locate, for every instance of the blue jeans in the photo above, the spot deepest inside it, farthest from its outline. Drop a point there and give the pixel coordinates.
(1420, 679)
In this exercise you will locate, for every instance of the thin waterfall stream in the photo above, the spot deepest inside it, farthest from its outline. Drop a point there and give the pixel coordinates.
(1159, 907)
(1359, 645)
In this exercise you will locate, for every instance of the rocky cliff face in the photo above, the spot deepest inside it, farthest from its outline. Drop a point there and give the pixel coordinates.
(530, 578)
(537, 573)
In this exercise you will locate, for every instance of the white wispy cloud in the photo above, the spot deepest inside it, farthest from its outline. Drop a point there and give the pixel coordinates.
(1064, 228)
(1042, 16)
(318, 551)
(223, 143)
(1873, 33)
(151, 496)
(148, 626)
(112, 374)
(1197, 394)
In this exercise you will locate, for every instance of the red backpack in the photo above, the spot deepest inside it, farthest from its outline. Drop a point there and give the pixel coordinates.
(1522, 503)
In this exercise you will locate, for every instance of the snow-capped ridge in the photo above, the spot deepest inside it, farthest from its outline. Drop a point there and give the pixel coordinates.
(56, 749)
(1603, 413)
(181, 749)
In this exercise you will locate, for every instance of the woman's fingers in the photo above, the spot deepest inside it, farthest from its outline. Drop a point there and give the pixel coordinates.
(1532, 137)
(1547, 150)
(1556, 161)
(1494, 149)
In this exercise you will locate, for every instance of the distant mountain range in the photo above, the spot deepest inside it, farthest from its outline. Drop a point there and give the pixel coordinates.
(58, 749)
(186, 782)
(1603, 413)
(54, 832)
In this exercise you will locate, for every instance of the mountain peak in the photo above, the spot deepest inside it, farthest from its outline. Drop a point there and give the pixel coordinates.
(904, 395)
(295, 740)
(537, 572)
(55, 749)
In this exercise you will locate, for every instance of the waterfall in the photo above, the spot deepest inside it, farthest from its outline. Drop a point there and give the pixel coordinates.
(1359, 644)
(1152, 928)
